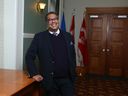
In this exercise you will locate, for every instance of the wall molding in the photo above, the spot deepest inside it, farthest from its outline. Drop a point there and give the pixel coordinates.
(28, 35)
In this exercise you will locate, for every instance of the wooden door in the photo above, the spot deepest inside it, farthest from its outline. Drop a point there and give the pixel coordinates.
(108, 37)
(97, 43)
(116, 44)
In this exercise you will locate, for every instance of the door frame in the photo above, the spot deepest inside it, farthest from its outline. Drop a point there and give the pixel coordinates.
(107, 10)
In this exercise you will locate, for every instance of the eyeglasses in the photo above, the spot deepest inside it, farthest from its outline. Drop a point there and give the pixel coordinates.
(53, 19)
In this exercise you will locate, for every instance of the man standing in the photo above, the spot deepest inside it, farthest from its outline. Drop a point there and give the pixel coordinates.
(57, 59)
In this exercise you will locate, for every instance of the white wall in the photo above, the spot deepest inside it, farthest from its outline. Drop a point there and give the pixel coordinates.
(11, 29)
(1, 33)
(19, 34)
(9, 56)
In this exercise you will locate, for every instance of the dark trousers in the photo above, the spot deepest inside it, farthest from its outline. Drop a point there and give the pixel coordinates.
(61, 87)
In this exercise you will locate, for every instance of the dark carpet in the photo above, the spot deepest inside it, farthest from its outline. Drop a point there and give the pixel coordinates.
(92, 85)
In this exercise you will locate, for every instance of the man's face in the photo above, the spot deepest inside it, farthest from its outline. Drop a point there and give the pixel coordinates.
(53, 22)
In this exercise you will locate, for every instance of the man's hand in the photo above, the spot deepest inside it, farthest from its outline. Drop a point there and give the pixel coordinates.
(38, 78)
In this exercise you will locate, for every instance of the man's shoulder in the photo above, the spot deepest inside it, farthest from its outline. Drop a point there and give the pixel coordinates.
(41, 33)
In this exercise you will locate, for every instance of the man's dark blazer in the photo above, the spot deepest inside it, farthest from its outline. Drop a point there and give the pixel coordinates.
(42, 47)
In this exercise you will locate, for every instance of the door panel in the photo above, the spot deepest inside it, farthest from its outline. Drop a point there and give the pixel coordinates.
(126, 48)
(97, 45)
(116, 45)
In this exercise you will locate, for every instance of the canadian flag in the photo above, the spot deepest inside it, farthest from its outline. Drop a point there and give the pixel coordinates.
(72, 28)
(82, 46)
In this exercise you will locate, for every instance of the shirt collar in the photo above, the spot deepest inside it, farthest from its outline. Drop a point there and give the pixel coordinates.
(57, 32)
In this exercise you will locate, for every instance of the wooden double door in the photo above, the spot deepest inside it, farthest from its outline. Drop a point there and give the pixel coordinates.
(108, 41)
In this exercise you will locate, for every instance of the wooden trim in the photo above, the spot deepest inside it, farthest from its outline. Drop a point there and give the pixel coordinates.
(107, 10)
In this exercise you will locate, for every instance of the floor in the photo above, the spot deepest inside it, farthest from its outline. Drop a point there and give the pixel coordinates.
(91, 85)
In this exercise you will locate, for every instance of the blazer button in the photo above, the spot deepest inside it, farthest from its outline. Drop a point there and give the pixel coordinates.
(52, 73)
(53, 61)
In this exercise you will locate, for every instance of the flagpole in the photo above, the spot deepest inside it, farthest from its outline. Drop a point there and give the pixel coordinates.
(72, 26)
(84, 14)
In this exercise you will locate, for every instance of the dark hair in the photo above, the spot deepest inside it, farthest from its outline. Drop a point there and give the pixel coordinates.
(52, 12)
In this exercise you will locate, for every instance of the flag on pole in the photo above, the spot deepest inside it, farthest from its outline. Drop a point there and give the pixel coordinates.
(82, 45)
(63, 25)
(72, 28)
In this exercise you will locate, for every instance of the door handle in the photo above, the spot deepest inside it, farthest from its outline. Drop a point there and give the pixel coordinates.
(108, 50)
(103, 50)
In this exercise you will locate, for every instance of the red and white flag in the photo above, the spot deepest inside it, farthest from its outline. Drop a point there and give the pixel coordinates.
(82, 45)
(72, 28)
